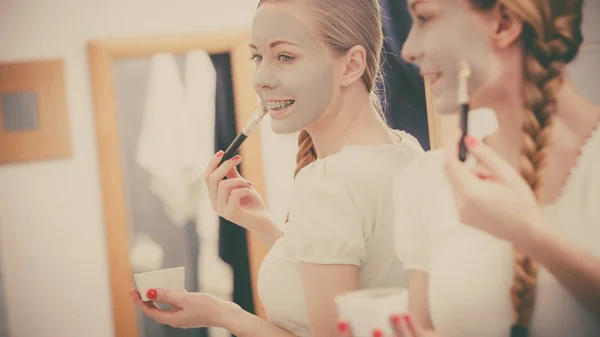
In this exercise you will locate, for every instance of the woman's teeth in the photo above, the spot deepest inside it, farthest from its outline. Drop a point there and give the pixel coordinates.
(279, 104)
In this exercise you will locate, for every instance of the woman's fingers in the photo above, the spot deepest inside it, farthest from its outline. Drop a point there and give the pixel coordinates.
(233, 173)
(486, 156)
(149, 308)
(217, 176)
(170, 317)
(235, 200)
(415, 327)
(344, 329)
(212, 165)
(482, 172)
(401, 326)
(225, 188)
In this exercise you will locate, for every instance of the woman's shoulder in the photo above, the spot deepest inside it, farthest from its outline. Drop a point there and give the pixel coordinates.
(584, 174)
(425, 167)
(354, 162)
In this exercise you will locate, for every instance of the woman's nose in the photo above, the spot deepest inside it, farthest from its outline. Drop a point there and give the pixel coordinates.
(411, 51)
(265, 77)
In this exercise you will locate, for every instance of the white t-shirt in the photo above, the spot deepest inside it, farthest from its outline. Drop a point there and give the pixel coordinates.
(341, 213)
(470, 272)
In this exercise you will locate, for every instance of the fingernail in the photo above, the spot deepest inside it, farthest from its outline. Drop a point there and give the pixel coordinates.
(396, 319)
(377, 333)
(236, 158)
(342, 326)
(249, 183)
(407, 318)
(151, 294)
(219, 154)
(471, 140)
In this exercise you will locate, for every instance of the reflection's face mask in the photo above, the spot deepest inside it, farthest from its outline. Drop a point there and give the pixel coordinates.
(444, 33)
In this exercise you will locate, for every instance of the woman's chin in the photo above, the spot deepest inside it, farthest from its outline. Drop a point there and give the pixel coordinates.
(446, 104)
(280, 127)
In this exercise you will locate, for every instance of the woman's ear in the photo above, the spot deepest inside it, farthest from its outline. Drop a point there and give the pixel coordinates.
(507, 28)
(354, 64)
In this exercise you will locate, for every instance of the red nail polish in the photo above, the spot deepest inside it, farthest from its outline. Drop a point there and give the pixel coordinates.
(377, 333)
(471, 140)
(219, 154)
(407, 318)
(342, 326)
(396, 319)
(151, 294)
(236, 158)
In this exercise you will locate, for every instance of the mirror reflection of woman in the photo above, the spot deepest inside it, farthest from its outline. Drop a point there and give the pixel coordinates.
(509, 247)
(316, 67)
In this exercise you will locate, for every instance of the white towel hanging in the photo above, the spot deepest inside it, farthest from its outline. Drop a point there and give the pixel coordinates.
(161, 136)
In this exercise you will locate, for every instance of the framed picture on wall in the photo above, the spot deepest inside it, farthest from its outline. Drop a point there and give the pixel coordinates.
(34, 121)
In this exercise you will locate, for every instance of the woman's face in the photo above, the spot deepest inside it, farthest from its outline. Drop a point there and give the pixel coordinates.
(293, 73)
(444, 33)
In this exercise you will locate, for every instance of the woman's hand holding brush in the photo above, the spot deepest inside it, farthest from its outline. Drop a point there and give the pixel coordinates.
(235, 200)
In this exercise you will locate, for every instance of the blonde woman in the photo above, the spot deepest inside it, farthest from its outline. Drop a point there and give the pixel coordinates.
(316, 68)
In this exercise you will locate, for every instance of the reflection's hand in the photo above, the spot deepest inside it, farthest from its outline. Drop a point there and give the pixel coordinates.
(189, 310)
(404, 326)
(234, 198)
(493, 196)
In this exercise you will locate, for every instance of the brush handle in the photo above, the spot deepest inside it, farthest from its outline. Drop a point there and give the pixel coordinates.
(233, 147)
(464, 125)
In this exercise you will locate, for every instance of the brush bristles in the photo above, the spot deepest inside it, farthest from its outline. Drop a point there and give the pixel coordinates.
(262, 110)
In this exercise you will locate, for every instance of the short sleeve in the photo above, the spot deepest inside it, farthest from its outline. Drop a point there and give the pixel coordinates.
(409, 230)
(325, 226)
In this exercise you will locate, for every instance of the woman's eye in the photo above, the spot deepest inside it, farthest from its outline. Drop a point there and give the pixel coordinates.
(422, 19)
(256, 58)
(284, 58)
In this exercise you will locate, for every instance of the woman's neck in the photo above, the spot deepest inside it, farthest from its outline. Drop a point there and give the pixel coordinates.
(355, 121)
(575, 117)
(508, 106)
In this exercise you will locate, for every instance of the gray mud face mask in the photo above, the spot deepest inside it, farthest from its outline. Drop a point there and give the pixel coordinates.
(307, 79)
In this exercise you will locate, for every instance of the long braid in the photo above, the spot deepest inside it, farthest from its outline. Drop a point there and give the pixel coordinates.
(306, 152)
(551, 38)
(536, 130)
(543, 64)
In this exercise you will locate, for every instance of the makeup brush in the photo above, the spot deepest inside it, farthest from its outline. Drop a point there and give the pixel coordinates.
(464, 74)
(241, 137)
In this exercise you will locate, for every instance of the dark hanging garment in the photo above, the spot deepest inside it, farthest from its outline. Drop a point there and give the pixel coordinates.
(233, 245)
(402, 91)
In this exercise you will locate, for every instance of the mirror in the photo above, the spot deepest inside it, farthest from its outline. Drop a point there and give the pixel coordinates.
(148, 227)
(3, 320)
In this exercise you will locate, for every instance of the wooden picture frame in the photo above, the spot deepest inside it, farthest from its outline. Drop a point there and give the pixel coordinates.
(45, 83)
(101, 55)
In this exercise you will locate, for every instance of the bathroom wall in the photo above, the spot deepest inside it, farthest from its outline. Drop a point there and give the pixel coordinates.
(52, 242)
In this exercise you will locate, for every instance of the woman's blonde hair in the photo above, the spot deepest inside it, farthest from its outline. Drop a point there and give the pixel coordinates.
(551, 38)
(343, 24)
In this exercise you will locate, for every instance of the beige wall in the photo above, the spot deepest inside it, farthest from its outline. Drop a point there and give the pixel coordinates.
(51, 227)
